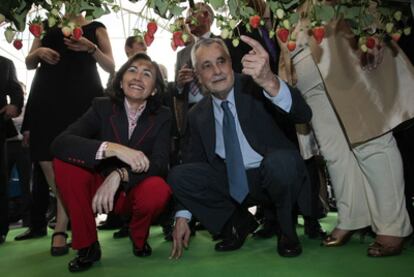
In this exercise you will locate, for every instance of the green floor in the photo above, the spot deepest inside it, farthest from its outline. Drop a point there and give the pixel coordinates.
(256, 258)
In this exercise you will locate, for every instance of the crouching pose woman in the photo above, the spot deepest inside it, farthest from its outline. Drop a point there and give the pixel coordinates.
(114, 158)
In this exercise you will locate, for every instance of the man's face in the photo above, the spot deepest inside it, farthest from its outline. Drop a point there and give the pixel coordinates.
(137, 47)
(214, 70)
(198, 21)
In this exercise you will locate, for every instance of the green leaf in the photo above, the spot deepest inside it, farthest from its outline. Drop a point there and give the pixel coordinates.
(324, 12)
(217, 4)
(290, 4)
(293, 18)
(162, 6)
(233, 7)
(177, 10)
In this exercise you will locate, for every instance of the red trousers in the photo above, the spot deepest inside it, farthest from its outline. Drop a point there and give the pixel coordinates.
(77, 187)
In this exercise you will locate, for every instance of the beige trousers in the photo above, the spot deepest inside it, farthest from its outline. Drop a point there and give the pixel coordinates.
(368, 179)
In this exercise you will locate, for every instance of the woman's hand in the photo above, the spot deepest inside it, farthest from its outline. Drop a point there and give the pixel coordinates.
(103, 201)
(81, 45)
(48, 55)
(134, 158)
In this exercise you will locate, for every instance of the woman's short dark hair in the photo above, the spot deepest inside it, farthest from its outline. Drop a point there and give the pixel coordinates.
(116, 93)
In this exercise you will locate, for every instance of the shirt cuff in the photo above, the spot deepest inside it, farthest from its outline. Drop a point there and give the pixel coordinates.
(184, 213)
(100, 154)
(283, 99)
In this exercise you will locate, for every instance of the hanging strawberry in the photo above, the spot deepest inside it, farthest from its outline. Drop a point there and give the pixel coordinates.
(148, 38)
(254, 21)
(282, 34)
(152, 27)
(318, 33)
(18, 44)
(36, 29)
(371, 42)
(9, 34)
(291, 45)
(77, 33)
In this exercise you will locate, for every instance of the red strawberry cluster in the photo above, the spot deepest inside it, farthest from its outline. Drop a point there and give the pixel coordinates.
(149, 34)
(177, 40)
(285, 36)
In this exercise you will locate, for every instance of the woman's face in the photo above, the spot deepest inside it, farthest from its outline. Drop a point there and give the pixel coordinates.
(138, 81)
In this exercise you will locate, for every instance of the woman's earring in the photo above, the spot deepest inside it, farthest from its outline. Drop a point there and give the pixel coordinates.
(154, 92)
(120, 85)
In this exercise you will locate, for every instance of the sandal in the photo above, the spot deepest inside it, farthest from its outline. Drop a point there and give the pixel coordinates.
(377, 249)
(59, 250)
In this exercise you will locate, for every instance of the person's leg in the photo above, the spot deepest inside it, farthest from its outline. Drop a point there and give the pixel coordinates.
(77, 186)
(24, 168)
(381, 163)
(145, 202)
(4, 198)
(204, 191)
(284, 179)
(346, 176)
(62, 218)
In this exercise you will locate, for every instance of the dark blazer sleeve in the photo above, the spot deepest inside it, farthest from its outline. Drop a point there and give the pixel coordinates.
(300, 112)
(12, 86)
(77, 144)
(159, 157)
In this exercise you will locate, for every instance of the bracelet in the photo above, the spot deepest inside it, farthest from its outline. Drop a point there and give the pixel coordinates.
(93, 50)
(120, 173)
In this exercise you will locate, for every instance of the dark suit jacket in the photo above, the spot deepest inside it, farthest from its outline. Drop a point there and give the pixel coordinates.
(256, 116)
(183, 57)
(107, 121)
(9, 85)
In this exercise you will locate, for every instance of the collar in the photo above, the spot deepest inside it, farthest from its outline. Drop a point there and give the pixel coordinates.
(230, 98)
(130, 112)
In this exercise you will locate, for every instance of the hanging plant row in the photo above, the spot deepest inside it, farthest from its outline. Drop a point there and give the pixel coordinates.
(371, 21)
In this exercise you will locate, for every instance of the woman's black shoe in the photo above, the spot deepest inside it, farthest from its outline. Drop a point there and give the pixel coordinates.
(86, 257)
(144, 252)
(59, 250)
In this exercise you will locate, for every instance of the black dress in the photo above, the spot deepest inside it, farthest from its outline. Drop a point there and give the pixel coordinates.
(60, 93)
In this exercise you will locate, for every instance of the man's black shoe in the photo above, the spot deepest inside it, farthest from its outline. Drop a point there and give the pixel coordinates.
(236, 230)
(31, 234)
(122, 233)
(86, 257)
(144, 252)
(313, 229)
(287, 247)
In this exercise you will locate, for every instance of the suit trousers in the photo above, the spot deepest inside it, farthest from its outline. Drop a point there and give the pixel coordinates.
(367, 179)
(4, 196)
(77, 187)
(203, 189)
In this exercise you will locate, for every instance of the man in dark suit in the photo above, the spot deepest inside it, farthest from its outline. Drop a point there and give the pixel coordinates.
(10, 86)
(199, 19)
(237, 156)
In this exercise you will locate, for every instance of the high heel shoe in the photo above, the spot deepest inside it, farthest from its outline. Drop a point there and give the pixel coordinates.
(331, 241)
(59, 250)
(386, 248)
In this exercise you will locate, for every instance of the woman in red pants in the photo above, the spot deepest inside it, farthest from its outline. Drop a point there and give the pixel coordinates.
(114, 158)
